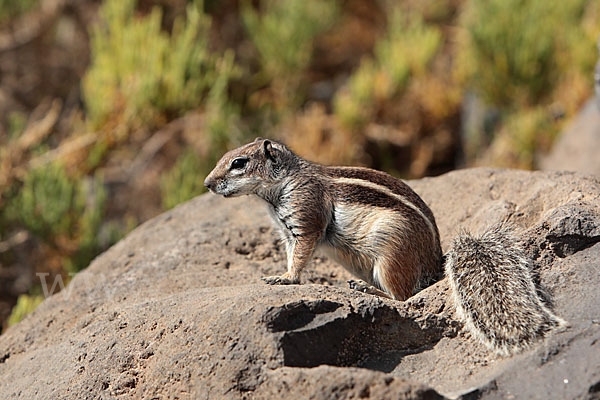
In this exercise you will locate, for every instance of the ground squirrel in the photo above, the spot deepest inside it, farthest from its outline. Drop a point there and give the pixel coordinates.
(381, 231)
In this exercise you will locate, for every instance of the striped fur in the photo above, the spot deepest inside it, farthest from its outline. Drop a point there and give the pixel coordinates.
(370, 222)
(381, 231)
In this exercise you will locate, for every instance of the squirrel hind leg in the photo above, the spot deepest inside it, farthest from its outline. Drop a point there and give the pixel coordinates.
(394, 278)
(383, 283)
(493, 289)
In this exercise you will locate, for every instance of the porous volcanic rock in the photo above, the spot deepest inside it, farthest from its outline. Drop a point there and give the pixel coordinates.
(177, 310)
(578, 145)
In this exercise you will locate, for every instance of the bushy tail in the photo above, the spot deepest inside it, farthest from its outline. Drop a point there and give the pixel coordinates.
(494, 292)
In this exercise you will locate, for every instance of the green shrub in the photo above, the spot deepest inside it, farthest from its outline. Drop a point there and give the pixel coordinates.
(517, 61)
(522, 136)
(96, 153)
(524, 129)
(353, 104)
(283, 34)
(184, 181)
(46, 202)
(16, 124)
(63, 212)
(513, 47)
(222, 115)
(138, 71)
(89, 209)
(405, 50)
(26, 304)
(579, 51)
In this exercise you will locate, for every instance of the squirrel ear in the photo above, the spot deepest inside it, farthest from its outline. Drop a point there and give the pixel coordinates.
(269, 150)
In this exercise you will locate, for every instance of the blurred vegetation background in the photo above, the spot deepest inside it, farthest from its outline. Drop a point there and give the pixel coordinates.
(112, 111)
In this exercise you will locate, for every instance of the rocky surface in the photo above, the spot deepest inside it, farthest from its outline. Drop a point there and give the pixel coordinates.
(177, 310)
(576, 149)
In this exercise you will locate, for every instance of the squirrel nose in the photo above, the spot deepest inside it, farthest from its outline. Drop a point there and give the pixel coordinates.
(209, 183)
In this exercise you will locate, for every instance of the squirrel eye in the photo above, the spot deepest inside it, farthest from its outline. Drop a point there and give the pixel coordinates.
(238, 163)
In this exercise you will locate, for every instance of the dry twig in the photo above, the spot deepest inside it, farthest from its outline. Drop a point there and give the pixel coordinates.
(12, 156)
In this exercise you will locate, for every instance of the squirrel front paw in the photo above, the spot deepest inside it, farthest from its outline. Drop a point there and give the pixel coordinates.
(284, 279)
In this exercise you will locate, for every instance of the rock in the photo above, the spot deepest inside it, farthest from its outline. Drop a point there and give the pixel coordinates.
(177, 310)
(325, 382)
(597, 77)
(576, 149)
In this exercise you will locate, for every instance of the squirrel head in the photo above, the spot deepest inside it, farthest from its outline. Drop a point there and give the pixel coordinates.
(251, 168)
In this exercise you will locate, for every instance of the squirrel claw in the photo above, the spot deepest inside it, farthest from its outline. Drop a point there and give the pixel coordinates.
(278, 280)
(358, 285)
(364, 287)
